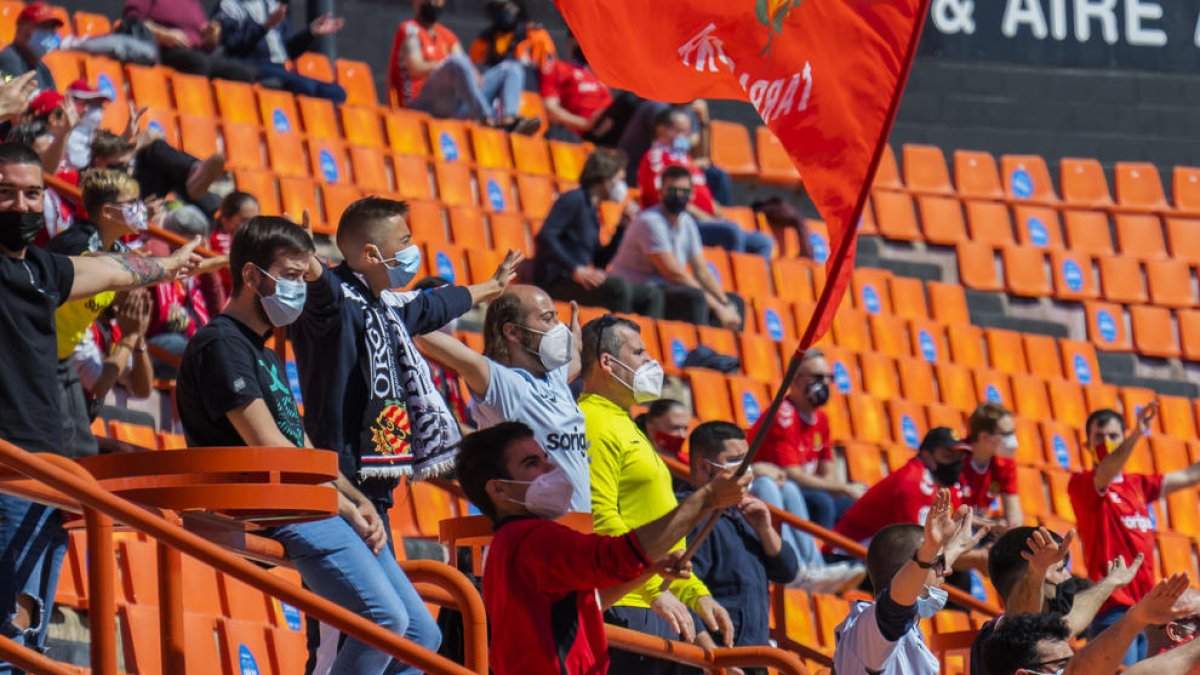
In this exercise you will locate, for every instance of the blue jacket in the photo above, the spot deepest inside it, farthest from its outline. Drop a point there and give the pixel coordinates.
(732, 563)
(328, 341)
(570, 238)
(244, 38)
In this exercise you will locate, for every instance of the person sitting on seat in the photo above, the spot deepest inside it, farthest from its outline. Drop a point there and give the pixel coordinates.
(545, 583)
(36, 35)
(659, 248)
(161, 169)
(187, 40)
(1178, 632)
(570, 260)
(511, 35)
(428, 71)
(990, 473)
(259, 33)
(665, 424)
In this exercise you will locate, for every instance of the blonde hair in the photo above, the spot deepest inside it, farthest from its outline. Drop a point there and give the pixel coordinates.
(105, 186)
(985, 419)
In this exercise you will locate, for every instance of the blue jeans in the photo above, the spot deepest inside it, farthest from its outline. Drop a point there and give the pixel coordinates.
(32, 546)
(788, 497)
(826, 508)
(731, 237)
(453, 90)
(1137, 649)
(720, 184)
(337, 565)
(299, 84)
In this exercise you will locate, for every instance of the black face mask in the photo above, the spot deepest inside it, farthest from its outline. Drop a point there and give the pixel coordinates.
(817, 394)
(947, 474)
(675, 201)
(18, 229)
(428, 14)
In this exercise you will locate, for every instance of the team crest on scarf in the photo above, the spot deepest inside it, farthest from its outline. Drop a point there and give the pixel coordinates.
(392, 432)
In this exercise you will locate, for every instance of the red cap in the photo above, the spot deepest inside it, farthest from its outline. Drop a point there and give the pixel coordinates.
(81, 90)
(45, 102)
(39, 13)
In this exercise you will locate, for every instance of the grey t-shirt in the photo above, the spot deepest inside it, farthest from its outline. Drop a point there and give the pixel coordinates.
(548, 407)
(651, 233)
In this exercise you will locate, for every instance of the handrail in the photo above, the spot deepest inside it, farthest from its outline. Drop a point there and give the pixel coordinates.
(851, 547)
(31, 661)
(87, 492)
(74, 192)
(698, 657)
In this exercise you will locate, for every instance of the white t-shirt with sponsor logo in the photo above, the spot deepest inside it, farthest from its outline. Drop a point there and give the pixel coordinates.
(547, 406)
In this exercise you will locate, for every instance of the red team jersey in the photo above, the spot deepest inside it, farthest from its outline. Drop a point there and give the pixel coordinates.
(1117, 522)
(904, 496)
(655, 161)
(577, 89)
(978, 489)
(540, 584)
(436, 42)
(793, 442)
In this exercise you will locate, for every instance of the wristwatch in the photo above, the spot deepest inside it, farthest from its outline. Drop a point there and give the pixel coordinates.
(926, 565)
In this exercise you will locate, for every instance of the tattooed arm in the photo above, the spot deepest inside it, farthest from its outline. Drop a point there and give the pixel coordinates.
(122, 271)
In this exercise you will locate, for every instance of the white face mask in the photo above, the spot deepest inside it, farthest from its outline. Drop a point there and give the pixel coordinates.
(135, 216)
(91, 118)
(408, 263)
(1008, 446)
(286, 304)
(618, 190)
(548, 496)
(647, 381)
(927, 607)
(556, 348)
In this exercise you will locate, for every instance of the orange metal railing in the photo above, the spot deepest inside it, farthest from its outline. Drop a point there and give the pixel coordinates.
(101, 508)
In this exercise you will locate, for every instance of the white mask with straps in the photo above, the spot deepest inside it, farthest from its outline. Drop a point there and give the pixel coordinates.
(548, 495)
(647, 381)
(556, 348)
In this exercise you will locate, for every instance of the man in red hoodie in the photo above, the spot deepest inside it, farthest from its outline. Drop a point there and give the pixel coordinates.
(545, 583)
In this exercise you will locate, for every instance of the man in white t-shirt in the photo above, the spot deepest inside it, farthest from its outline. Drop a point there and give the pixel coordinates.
(529, 359)
(907, 568)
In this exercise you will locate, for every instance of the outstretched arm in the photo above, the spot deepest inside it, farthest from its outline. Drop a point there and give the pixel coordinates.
(1027, 596)
(1103, 653)
(468, 363)
(123, 271)
(1111, 466)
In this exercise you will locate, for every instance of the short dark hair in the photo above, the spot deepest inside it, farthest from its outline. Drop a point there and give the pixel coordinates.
(656, 409)
(107, 144)
(708, 439)
(663, 119)
(482, 457)
(601, 166)
(359, 220)
(503, 310)
(18, 153)
(233, 202)
(1013, 644)
(675, 172)
(429, 283)
(260, 240)
(890, 549)
(27, 132)
(985, 419)
(600, 337)
(1101, 418)
(1005, 564)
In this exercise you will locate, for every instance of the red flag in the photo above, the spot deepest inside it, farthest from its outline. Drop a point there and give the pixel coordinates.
(825, 76)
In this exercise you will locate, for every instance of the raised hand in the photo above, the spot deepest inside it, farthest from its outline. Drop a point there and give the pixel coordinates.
(506, 273)
(1044, 552)
(1120, 574)
(939, 522)
(1158, 606)
(276, 17)
(963, 539)
(1146, 415)
(15, 93)
(181, 263)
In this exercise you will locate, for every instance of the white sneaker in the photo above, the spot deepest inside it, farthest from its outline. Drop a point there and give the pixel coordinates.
(835, 578)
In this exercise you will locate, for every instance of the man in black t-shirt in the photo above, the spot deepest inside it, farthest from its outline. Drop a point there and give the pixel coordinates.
(233, 391)
(33, 284)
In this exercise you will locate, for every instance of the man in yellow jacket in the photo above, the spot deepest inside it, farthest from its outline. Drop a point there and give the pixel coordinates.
(631, 486)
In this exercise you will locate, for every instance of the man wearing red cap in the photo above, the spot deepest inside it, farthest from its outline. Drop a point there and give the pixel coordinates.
(1113, 510)
(36, 36)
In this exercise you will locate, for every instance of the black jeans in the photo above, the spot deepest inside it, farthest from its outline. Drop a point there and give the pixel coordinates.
(615, 294)
(196, 62)
(161, 169)
(684, 303)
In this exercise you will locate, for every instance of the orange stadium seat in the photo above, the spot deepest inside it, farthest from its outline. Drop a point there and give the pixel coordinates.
(1038, 226)
(531, 155)
(1170, 283)
(1176, 418)
(1102, 396)
(64, 65)
(677, 339)
(1026, 179)
(278, 110)
(793, 279)
(966, 345)
(1175, 554)
(1083, 183)
(1079, 361)
(407, 132)
(1032, 491)
(879, 375)
(993, 386)
(1133, 399)
(908, 422)
(236, 103)
(760, 358)
(887, 175)
(315, 65)
(718, 264)
(148, 86)
(198, 137)
(731, 149)
(989, 223)
(710, 395)
(356, 78)
(1087, 232)
(537, 195)
(262, 185)
(285, 152)
(1140, 236)
(243, 145)
(1185, 189)
(843, 366)
(1025, 271)
(135, 434)
(482, 263)
(193, 94)
(1153, 334)
(925, 169)
(161, 121)
(868, 419)
(467, 228)
(1107, 327)
(491, 148)
(948, 303)
(568, 159)
(449, 140)
(870, 290)
(454, 183)
(496, 191)
(370, 169)
(977, 266)
(774, 164)
(1121, 280)
(335, 199)
(774, 318)
(412, 177)
(1030, 399)
(297, 195)
(91, 25)
(1189, 333)
(941, 219)
(1139, 186)
(1183, 239)
(1006, 351)
(328, 161)
(446, 262)
(976, 176)
(427, 223)
(928, 341)
(888, 335)
(751, 275)
(894, 216)
(907, 296)
(362, 127)
(863, 463)
(917, 381)
(243, 647)
(510, 233)
(1041, 355)
(1073, 276)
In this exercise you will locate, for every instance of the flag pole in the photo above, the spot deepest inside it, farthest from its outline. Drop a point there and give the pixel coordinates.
(833, 279)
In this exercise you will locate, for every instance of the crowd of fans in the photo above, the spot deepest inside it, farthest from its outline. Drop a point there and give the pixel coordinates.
(94, 308)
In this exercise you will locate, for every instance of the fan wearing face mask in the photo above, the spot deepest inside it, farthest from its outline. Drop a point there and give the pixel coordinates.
(631, 485)
(990, 474)
(907, 564)
(36, 35)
